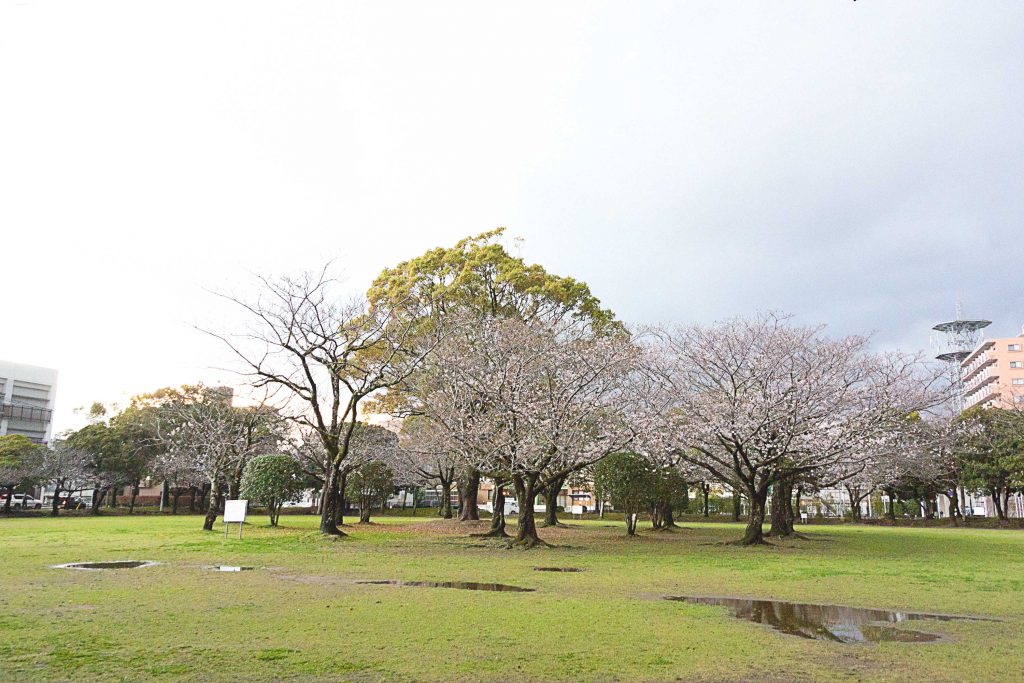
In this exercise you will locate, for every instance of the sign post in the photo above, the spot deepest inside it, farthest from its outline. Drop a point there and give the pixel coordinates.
(234, 511)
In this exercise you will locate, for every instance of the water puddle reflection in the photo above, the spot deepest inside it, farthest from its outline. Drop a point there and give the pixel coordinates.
(837, 623)
(121, 564)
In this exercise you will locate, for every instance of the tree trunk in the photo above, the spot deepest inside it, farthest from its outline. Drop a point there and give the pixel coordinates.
(469, 510)
(192, 492)
(135, 494)
(737, 504)
(662, 517)
(526, 534)
(365, 505)
(113, 496)
(97, 500)
(211, 511)
(342, 498)
(706, 490)
(7, 501)
(668, 518)
(174, 500)
(274, 510)
(444, 505)
(1001, 502)
(55, 503)
(854, 495)
(780, 509)
(631, 519)
(550, 494)
(203, 492)
(754, 533)
(330, 517)
(498, 516)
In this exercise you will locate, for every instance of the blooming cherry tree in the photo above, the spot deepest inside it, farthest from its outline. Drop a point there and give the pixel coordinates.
(760, 402)
(532, 400)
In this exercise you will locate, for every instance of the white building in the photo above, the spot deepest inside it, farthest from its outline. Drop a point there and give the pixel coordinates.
(27, 394)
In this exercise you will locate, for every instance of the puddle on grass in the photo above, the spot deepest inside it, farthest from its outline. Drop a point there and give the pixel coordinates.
(464, 585)
(571, 570)
(836, 623)
(230, 568)
(122, 564)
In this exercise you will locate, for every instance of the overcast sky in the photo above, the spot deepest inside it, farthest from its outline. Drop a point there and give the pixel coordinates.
(855, 163)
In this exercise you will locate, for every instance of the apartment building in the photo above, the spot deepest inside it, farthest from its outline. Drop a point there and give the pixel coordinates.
(993, 374)
(27, 394)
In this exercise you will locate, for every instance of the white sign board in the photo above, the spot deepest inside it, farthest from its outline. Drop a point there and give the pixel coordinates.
(577, 509)
(234, 511)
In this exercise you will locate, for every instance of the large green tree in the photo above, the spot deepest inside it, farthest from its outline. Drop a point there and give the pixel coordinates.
(134, 431)
(670, 492)
(478, 277)
(101, 449)
(629, 482)
(991, 452)
(370, 484)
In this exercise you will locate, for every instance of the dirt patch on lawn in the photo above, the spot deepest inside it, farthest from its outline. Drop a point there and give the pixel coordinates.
(446, 527)
(312, 580)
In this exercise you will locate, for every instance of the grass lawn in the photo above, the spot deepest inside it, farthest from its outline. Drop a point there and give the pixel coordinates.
(301, 615)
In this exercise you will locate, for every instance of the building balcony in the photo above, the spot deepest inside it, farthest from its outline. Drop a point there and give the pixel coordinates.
(968, 376)
(11, 411)
(980, 384)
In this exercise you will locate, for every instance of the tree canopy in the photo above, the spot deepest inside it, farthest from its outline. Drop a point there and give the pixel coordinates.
(479, 275)
(272, 480)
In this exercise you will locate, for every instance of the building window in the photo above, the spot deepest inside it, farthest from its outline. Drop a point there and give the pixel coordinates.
(1014, 347)
(1019, 399)
(1018, 380)
(1017, 363)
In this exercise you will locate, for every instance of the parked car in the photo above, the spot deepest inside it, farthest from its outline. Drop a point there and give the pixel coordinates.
(73, 503)
(22, 501)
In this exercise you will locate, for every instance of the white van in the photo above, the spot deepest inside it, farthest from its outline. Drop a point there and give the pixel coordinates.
(511, 506)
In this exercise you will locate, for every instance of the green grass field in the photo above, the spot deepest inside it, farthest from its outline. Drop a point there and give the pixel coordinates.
(301, 616)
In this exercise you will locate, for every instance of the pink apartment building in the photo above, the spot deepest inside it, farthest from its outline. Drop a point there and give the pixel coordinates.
(993, 374)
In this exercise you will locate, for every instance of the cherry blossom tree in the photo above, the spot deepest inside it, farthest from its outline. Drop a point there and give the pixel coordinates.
(65, 467)
(760, 402)
(199, 425)
(426, 457)
(477, 278)
(534, 400)
(20, 463)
